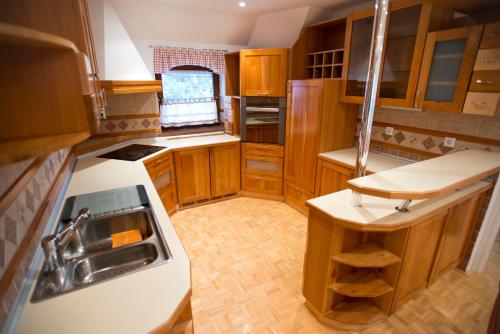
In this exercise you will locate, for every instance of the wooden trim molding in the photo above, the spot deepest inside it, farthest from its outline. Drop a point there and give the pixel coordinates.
(135, 116)
(11, 194)
(48, 203)
(473, 139)
(125, 133)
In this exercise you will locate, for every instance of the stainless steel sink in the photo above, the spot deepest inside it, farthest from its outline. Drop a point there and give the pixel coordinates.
(106, 265)
(90, 258)
(96, 234)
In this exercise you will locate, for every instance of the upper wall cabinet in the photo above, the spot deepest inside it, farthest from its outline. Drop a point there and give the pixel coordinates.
(446, 68)
(263, 72)
(46, 78)
(408, 24)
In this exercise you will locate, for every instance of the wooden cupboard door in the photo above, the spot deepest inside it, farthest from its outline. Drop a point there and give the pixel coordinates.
(456, 233)
(263, 72)
(168, 197)
(332, 178)
(225, 169)
(418, 258)
(193, 175)
(485, 81)
(302, 132)
(446, 68)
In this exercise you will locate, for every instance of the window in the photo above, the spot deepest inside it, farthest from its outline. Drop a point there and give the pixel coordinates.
(188, 98)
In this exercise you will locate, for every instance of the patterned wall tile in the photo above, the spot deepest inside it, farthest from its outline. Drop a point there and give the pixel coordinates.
(130, 124)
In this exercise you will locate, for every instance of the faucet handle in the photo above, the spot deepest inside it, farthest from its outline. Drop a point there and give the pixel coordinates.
(84, 213)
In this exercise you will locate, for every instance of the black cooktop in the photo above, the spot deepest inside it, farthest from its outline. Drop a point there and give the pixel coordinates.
(132, 152)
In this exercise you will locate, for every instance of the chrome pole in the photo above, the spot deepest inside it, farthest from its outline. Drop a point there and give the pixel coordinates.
(371, 90)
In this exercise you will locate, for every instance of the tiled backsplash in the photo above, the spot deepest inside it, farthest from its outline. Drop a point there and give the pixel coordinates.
(19, 217)
(131, 113)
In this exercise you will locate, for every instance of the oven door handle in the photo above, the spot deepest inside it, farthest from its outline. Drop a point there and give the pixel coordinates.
(262, 109)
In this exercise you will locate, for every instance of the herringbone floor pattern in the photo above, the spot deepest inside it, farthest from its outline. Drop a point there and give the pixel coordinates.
(247, 257)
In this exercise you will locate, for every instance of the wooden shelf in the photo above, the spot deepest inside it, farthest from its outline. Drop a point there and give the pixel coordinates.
(364, 283)
(131, 87)
(15, 35)
(367, 255)
(357, 313)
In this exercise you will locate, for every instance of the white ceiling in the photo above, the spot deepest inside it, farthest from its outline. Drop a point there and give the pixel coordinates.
(260, 6)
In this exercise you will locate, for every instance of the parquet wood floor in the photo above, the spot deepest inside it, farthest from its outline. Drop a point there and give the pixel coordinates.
(247, 256)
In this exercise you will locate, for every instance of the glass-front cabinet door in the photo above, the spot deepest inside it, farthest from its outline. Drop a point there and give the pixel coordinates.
(446, 68)
(359, 29)
(403, 53)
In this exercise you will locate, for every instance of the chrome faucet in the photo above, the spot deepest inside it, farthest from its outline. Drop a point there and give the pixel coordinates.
(53, 246)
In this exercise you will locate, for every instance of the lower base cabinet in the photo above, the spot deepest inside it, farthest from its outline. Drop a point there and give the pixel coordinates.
(161, 170)
(296, 196)
(331, 177)
(207, 173)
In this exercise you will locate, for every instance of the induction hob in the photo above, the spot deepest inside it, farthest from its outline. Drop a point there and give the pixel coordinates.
(132, 152)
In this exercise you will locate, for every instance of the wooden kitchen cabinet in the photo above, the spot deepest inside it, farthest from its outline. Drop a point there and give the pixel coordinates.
(193, 175)
(331, 177)
(263, 72)
(225, 169)
(161, 170)
(316, 122)
(207, 173)
(47, 80)
(446, 68)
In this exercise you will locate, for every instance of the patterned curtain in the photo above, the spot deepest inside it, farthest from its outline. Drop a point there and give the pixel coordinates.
(168, 58)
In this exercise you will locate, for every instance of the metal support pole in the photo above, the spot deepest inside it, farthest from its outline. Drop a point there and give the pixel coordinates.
(371, 90)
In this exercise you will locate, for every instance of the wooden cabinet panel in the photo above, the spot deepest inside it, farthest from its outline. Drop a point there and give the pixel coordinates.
(161, 170)
(296, 196)
(168, 197)
(331, 178)
(456, 233)
(446, 68)
(263, 149)
(487, 60)
(262, 165)
(491, 36)
(263, 72)
(302, 139)
(266, 185)
(418, 258)
(482, 104)
(232, 76)
(225, 169)
(485, 81)
(193, 175)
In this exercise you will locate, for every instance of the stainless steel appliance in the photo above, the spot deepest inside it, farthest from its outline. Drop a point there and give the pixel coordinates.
(262, 119)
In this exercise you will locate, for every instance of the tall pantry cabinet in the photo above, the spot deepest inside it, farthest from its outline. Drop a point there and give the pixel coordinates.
(316, 122)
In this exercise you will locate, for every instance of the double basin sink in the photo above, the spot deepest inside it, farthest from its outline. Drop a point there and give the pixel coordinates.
(90, 258)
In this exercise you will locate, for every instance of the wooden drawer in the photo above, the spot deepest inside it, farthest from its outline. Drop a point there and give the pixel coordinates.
(157, 165)
(260, 184)
(297, 197)
(485, 81)
(482, 103)
(168, 197)
(263, 149)
(487, 59)
(491, 36)
(262, 165)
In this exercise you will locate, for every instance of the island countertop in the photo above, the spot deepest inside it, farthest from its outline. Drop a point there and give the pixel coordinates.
(139, 302)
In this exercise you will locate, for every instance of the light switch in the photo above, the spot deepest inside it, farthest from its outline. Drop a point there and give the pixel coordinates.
(389, 130)
(449, 142)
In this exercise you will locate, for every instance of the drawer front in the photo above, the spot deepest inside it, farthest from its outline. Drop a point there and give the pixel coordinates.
(491, 36)
(259, 184)
(487, 59)
(262, 165)
(168, 197)
(296, 196)
(263, 149)
(485, 81)
(482, 104)
(156, 165)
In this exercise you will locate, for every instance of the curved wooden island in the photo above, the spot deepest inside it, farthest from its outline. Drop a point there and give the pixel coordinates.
(363, 263)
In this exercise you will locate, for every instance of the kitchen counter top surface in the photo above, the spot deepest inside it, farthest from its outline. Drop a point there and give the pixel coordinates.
(376, 162)
(135, 303)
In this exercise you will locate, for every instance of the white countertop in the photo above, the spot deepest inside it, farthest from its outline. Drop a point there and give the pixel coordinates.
(376, 213)
(376, 162)
(134, 303)
(431, 177)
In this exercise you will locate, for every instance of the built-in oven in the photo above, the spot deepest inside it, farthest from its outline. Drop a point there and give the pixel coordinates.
(262, 119)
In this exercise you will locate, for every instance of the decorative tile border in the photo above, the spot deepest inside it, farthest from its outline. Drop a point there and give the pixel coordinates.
(127, 124)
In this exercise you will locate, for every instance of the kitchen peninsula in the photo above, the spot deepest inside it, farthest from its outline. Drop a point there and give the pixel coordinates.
(363, 262)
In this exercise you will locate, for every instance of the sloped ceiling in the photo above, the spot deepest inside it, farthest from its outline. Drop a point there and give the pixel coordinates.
(204, 21)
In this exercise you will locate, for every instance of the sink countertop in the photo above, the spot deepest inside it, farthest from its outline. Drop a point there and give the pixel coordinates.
(376, 162)
(135, 303)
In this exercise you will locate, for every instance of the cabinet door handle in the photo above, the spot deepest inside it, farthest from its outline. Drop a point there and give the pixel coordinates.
(487, 82)
(480, 104)
(490, 59)
(492, 34)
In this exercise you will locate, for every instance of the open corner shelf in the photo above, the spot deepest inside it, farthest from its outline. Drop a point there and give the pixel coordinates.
(19, 36)
(367, 255)
(362, 284)
(358, 313)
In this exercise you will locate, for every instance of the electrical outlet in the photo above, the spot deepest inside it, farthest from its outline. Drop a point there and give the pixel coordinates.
(389, 130)
(449, 142)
